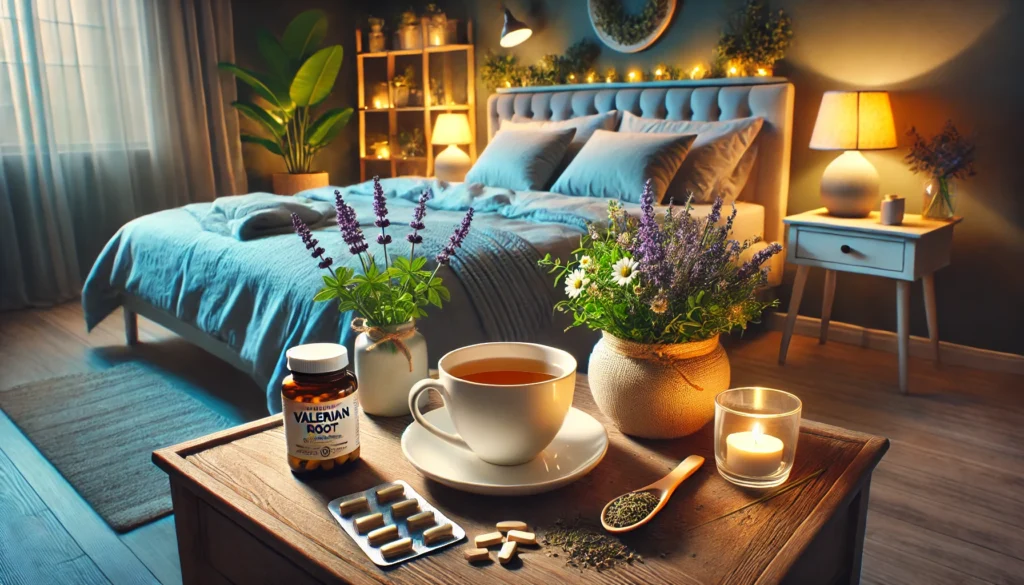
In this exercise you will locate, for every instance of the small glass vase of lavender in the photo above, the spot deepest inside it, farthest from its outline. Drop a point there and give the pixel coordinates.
(945, 158)
(387, 292)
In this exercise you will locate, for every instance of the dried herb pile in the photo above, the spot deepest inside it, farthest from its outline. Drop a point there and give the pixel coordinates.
(628, 509)
(587, 548)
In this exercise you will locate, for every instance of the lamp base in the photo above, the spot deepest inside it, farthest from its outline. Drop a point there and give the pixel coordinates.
(452, 164)
(850, 186)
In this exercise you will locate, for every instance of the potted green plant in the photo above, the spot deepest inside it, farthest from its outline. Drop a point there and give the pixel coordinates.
(387, 293)
(407, 33)
(287, 98)
(402, 85)
(661, 293)
(755, 39)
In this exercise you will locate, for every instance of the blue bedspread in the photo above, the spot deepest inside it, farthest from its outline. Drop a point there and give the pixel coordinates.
(255, 295)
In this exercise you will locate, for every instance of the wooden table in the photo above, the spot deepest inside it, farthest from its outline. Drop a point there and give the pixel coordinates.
(242, 517)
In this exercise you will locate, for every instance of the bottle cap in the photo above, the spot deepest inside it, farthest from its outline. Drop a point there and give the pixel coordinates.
(317, 358)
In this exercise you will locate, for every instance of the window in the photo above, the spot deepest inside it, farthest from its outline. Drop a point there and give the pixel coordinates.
(77, 66)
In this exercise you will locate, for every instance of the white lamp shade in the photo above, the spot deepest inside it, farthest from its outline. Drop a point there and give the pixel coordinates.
(451, 129)
(854, 120)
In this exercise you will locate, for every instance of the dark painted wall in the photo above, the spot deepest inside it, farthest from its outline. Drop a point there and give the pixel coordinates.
(939, 58)
(341, 158)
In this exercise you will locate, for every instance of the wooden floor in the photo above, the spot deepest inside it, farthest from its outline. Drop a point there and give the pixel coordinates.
(947, 502)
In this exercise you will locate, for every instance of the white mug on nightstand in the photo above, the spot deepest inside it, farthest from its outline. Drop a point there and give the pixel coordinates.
(507, 401)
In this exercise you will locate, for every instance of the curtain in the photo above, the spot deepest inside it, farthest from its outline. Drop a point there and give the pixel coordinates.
(109, 110)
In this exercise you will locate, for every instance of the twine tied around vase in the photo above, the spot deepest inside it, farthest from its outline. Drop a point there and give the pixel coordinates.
(380, 336)
(666, 354)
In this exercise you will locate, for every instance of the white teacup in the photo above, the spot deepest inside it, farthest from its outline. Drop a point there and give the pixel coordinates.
(501, 424)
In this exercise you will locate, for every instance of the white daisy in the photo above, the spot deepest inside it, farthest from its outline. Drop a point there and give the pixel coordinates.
(575, 282)
(586, 262)
(624, 271)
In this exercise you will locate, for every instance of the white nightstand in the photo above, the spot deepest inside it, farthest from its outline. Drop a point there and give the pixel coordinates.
(903, 253)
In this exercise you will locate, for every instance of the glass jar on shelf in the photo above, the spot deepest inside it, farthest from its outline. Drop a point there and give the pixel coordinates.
(376, 35)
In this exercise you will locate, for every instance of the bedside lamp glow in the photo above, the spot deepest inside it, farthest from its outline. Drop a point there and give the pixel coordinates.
(452, 163)
(852, 121)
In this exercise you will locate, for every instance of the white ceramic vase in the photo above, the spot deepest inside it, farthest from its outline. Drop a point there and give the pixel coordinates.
(384, 373)
(659, 391)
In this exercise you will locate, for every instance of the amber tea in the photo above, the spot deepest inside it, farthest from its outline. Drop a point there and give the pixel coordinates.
(505, 371)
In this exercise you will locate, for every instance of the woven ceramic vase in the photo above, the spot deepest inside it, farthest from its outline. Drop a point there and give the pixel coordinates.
(657, 391)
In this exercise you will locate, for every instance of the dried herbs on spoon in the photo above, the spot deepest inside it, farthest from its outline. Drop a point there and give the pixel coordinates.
(628, 509)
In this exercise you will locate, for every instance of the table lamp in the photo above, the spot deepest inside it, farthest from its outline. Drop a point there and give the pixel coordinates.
(452, 163)
(852, 121)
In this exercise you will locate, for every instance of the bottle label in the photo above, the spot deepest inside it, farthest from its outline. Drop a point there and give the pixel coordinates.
(323, 430)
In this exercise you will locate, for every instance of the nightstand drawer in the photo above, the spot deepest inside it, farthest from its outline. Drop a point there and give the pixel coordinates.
(851, 250)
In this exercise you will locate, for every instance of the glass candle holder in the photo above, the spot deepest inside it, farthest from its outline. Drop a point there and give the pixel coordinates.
(756, 432)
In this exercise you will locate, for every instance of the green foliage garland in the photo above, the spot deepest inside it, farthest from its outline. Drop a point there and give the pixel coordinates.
(628, 29)
(756, 36)
(503, 70)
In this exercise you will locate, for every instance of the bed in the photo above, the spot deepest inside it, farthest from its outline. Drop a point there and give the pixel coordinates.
(248, 301)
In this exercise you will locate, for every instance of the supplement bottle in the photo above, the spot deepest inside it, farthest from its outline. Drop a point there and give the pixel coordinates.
(321, 413)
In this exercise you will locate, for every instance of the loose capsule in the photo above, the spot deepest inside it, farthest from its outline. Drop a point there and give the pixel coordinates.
(522, 537)
(507, 525)
(486, 540)
(508, 550)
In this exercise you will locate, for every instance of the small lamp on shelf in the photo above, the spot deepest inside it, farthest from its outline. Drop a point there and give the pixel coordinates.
(452, 163)
(852, 121)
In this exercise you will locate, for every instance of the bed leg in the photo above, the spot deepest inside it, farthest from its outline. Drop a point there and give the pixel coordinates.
(131, 327)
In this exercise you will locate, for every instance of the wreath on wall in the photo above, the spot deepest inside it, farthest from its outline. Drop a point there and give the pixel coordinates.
(630, 33)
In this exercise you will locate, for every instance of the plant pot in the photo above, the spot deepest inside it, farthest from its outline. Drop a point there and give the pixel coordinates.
(292, 183)
(401, 96)
(939, 198)
(409, 37)
(384, 372)
(660, 391)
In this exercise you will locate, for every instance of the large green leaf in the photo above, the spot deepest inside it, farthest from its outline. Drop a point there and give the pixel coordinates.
(334, 119)
(260, 116)
(264, 142)
(315, 79)
(304, 34)
(273, 53)
(252, 79)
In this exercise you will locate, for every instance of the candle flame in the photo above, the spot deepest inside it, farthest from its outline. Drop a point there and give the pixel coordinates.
(757, 432)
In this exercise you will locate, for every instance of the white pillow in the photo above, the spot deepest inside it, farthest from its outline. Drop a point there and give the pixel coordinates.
(714, 157)
(584, 125)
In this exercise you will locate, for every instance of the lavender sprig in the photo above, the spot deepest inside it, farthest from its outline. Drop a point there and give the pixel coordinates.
(456, 239)
(349, 225)
(417, 219)
(649, 246)
(380, 207)
(311, 243)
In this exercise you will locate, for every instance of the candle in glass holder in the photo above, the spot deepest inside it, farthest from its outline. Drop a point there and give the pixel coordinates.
(753, 453)
(756, 433)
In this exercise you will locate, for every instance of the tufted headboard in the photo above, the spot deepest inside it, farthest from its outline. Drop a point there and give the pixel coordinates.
(708, 99)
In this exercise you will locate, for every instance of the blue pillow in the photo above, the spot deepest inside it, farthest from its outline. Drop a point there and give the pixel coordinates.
(616, 165)
(521, 160)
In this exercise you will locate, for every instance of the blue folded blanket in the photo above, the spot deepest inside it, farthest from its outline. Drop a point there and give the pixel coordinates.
(247, 217)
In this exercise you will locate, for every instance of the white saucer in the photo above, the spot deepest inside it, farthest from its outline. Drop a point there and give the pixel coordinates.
(577, 448)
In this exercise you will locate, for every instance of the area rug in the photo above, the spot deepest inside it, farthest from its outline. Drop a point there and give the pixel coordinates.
(99, 429)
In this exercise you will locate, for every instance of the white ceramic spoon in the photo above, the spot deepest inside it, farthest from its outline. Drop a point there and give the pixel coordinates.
(662, 488)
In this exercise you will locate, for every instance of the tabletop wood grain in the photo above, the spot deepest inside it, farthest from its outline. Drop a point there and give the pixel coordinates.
(711, 530)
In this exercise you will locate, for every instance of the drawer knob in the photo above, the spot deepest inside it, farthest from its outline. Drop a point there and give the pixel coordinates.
(845, 249)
